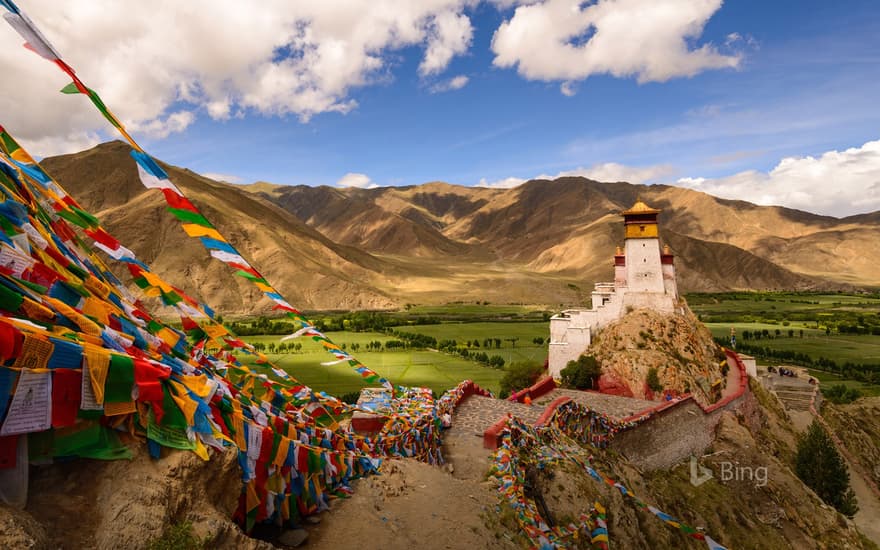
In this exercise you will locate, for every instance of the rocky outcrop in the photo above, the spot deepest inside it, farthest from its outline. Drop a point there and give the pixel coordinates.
(678, 346)
(125, 504)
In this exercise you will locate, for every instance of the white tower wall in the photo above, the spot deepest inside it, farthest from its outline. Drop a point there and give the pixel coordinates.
(643, 270)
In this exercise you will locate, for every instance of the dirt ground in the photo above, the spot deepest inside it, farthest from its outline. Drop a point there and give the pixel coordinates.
(415, 505)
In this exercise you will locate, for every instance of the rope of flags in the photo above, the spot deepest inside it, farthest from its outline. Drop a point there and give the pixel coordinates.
(192, 220)
(522, 445)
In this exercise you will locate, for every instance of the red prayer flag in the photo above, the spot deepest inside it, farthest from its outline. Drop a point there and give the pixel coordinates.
(66, 393)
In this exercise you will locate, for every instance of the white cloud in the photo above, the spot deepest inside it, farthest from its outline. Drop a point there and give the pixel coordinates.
(354, 179)
(609, 171)
(612, 171)
(568, 88)
(454, 83)
(506, 183)
(173, 123)
(158, 64)
(228, 178)
(450, 35)
(838, 183)
(651, 40)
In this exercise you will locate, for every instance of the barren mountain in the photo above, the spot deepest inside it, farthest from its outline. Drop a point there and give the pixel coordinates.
(305, 266)
(544, 242)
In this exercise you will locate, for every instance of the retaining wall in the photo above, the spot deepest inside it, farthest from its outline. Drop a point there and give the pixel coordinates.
(679, 429)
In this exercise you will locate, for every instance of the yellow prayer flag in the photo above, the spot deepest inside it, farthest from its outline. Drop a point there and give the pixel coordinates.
(200, 450)
(196, 230)
(168, 336)
(264, 287)
(98, 361)
(98, 309)
(198, 385)
(186, 404)
(238, 426)
(281, 453)
(116, 409)
(215, 330)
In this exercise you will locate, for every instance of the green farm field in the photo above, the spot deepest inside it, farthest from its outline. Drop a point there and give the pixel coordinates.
(827, 379)
(432, 369)
(482, 311)
(778, 305)
(523, 350)
(841, 348)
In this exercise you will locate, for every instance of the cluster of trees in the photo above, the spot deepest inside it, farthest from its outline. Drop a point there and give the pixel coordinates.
(370, 321)
(841, 394)
(820, 467)
(452, 346)
(581, 374)
(519, 375)
(416, 340)
(282, 347)
(766, 334)
(262, 325)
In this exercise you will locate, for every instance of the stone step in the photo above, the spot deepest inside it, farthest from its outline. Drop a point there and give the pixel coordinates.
(795, 394)
(787, 387)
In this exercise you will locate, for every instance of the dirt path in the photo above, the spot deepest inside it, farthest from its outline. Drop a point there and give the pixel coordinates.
(868, 517)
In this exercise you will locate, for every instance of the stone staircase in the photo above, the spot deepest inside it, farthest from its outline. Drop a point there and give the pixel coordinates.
(794, 393)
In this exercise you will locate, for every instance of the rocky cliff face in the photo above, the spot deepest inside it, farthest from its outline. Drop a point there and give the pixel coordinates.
(125, 504)
(678, 346)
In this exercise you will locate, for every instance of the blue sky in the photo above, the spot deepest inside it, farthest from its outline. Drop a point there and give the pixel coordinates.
(782, 103)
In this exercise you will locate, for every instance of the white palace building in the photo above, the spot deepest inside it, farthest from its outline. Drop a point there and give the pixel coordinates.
(644, 277)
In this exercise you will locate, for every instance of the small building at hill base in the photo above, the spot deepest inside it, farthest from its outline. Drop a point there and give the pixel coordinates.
(644, 277)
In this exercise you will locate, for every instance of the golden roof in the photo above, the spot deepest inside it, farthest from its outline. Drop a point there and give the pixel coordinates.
(640, 208)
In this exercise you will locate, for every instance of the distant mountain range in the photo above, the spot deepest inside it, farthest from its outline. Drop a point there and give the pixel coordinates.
(544, 242)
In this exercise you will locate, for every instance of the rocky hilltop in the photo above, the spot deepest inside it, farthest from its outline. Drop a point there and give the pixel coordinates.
(678, 347)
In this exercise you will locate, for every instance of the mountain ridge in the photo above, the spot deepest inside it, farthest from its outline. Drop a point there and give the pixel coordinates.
(543, 242)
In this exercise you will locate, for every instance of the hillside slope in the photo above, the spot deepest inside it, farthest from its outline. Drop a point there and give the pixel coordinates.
(304, 265)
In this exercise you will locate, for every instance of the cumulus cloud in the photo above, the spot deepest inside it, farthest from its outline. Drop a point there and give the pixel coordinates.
(450, 35)
(608, 171)
(838, 183)
(569, 41)
(283, 57)
(454, 83)
(354, 179)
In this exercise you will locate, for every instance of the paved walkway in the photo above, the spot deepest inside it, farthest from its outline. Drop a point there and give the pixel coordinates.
(463, 442)
(476, 413)
(612, 405)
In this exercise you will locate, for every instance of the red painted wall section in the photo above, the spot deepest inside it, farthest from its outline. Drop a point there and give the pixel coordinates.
(551, 410)
(541, 387)
(492, 436)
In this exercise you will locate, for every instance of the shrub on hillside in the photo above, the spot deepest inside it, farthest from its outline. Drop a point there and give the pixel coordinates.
(518, 376)
(653, 381)
(822, 469)
(581, 374)
(840, 394)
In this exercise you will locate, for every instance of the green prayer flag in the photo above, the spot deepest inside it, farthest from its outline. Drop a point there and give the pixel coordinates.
(168, 436)
(70, 89)
(173, 416)
(188, 216)
(120, 379)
